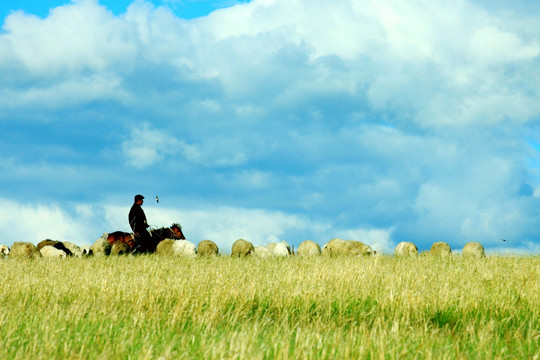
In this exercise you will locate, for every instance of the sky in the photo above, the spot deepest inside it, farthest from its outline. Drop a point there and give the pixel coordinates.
(273, 120)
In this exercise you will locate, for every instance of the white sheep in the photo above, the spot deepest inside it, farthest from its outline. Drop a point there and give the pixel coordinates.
(101, 246)
(52, 252)
(24, 250)
(405, 248)
(262, 251)
(171, 247)
(473, 249)
(440, 248)
(340, 247)
(184, 248)
(271, 246)
(4, 250)
(207, 248)
(75, 249)
(309, 248)
(86, 250)
(282, 248)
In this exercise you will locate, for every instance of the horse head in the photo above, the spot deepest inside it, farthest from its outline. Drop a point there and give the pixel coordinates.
(177, 230)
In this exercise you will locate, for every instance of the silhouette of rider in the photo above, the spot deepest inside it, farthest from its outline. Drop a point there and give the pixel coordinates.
(138, 223)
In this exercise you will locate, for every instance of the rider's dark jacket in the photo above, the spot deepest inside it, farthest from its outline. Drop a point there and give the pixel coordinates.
(137, 219)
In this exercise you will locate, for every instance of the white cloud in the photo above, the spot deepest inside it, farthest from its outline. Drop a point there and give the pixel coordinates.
(413, 57)
(69, 93)
(491, 45)
(74, 37)
(36, 222)
(148, 146)
(254, 179)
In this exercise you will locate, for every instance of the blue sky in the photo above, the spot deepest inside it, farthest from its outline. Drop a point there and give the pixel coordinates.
(273, 120)
(186, 9)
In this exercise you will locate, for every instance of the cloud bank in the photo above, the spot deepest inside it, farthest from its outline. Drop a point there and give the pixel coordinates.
(276, 119)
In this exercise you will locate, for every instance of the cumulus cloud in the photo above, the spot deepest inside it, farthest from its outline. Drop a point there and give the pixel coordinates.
(78, 223)
(69, 93)
(423, 57)
(491, 45)
(74, 37)
(147, 146)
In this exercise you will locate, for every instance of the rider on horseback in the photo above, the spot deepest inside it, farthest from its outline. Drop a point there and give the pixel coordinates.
(138, 223)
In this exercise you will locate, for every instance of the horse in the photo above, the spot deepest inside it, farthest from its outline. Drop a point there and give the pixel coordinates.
(123, 237)
(172, 232)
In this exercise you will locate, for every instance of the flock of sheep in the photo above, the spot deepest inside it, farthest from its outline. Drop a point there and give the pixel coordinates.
(240, 248)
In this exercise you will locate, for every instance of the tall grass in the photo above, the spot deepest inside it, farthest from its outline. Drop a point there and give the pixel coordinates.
(149, 307)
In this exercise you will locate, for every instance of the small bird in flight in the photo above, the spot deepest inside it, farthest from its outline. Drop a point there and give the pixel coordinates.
(157, 199)
(504, 240)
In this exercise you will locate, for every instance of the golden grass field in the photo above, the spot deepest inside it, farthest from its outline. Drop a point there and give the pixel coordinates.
(381, 307)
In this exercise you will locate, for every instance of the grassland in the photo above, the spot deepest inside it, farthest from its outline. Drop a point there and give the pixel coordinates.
(151, 307)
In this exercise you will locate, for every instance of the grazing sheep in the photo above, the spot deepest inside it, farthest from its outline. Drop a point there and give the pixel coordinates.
(86, 250)
(46, 242)
(120, 248)
(54, 243)
(362, 248)
(4, 250)
(337, 247)
(473, 249)
(440, 248)
(262, 251)
(184, 248)
(282, 248)
(165, 247)
(207, 248)
(309, 248)
(101, 247)
(74, 249)
(406, 248)
(271, 246)
(241, 248)
(49, 251)
(24, 250)
(171, 247)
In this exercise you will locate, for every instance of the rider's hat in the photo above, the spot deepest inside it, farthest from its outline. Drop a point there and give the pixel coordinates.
(138, 197)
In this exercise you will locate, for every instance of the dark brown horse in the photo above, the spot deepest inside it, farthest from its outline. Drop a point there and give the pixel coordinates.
(123, 237)
(172, 232)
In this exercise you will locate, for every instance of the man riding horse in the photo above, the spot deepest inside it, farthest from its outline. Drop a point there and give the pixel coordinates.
(138, 223)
